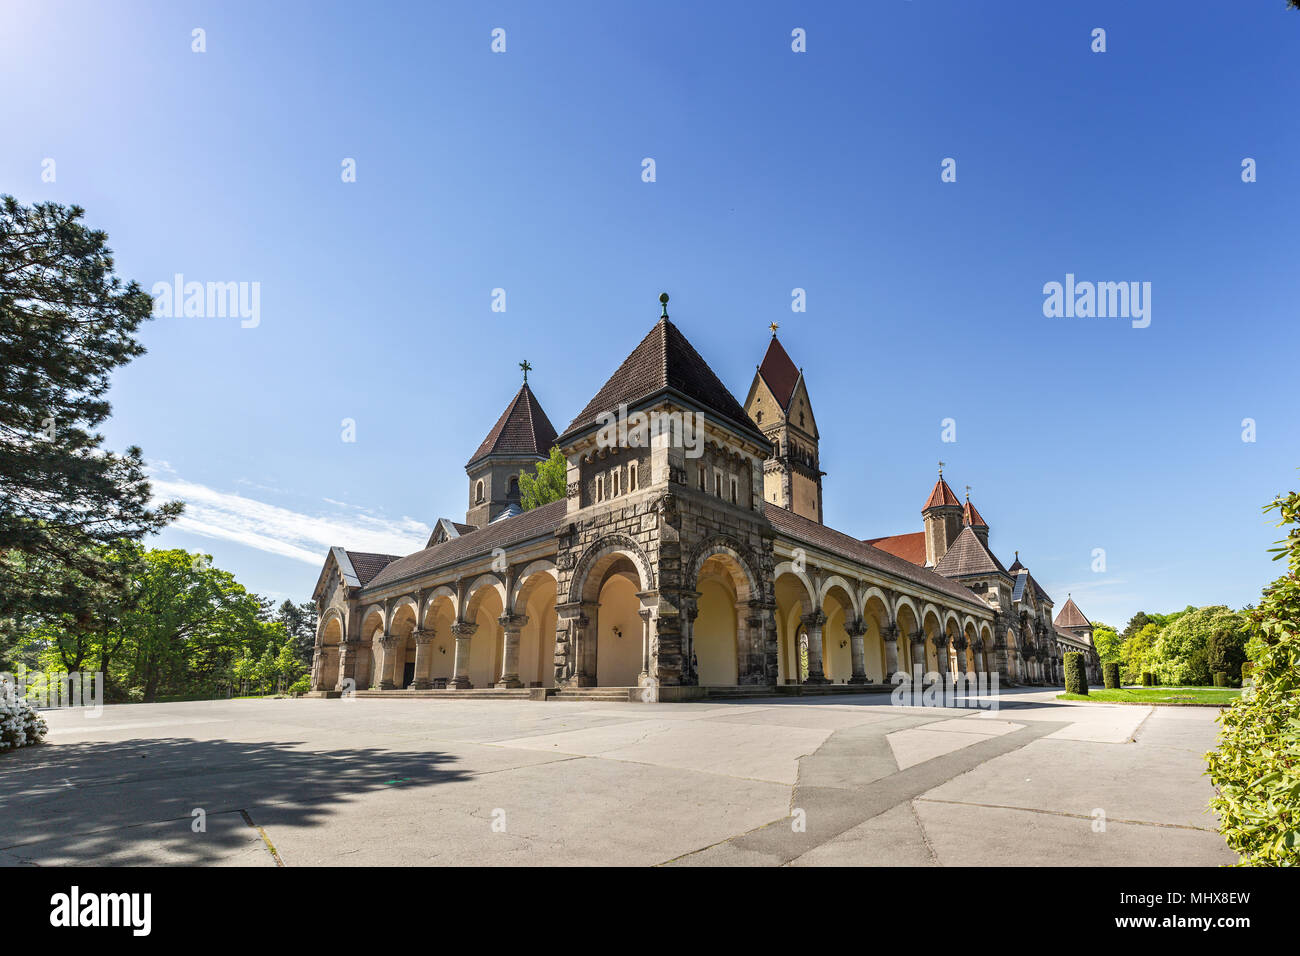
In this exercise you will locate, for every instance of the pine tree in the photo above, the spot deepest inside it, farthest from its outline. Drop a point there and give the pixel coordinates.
(67, 504)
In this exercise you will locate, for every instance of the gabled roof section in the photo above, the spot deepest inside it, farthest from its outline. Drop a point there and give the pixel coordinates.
(810, 532)
(972, 517)
(1016, 565)
(1071, 616)
(968, 555)
(523, 430)
(498, 534)
(909, 547)
(941, 496)
(664, 362)
(366, 564)
(780, 373)
(446, 529)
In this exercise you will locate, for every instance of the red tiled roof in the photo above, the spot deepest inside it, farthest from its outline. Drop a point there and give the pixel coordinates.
(779, 373)
(972, 517)
(498, 534)
(367, 565)
(522, 429)
(810, 532)
(941, 495)
(664, 360)
(1071, 616)
(909, 547)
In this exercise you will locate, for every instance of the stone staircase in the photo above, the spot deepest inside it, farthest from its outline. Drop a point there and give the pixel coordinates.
(611, 694)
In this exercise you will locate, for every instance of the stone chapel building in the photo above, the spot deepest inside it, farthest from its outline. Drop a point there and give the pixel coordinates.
(691, 558)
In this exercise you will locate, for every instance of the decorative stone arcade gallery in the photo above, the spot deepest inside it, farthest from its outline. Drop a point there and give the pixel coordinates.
(688, 553)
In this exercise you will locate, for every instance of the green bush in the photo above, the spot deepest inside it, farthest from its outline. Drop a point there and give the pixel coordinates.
(1256, 768)
(1110, 674)
(301, 686)
(1220, 679)
(1076, 678)
(1148, 679)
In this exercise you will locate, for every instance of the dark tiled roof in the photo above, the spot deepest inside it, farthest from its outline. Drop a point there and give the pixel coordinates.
(909, 547)
(971, 516)
(664, 360)
(941, 495)
(464, 528)
(499, 534)
(1016, 565)
(779, 373)
(967, 555)
(522, 429)
(367, 565)
(1071, 616)
(818, 535)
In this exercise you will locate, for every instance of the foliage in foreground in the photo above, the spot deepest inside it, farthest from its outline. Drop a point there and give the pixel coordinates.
(20, 724)
(1256, 768)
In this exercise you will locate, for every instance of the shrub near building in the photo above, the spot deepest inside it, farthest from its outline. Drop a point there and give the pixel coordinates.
(1110, 674)
(1076, 678)
(1257, 766)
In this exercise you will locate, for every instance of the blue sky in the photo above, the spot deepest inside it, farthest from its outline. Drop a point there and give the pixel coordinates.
(775, 170)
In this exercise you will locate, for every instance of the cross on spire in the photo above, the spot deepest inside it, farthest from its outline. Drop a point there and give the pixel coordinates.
(774, 326)
(940, 469)
(527, 368)
(968, 492)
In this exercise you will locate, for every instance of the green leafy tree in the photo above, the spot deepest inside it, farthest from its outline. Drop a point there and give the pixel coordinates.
(1136, 652)
(66, 503)
(1182, 649)
(1135, 624)
(1106, 641)
(1256, 768)
(551, 483)
(1226, 652)
(299, 621)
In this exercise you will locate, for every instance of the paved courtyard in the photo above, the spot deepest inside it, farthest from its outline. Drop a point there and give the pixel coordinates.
(794, 781)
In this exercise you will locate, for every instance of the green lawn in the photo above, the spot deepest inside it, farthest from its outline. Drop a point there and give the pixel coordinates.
(1210, 696)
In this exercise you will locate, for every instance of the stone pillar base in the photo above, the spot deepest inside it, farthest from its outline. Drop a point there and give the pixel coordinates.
(510, 680)
(859, 679)
(459, 683)
(421, 683)
(387, 684)
(818, 679)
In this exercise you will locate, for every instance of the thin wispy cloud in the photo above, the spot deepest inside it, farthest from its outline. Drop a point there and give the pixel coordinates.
(281, 531)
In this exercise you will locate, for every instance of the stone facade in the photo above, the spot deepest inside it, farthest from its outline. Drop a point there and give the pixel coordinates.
(667, 565)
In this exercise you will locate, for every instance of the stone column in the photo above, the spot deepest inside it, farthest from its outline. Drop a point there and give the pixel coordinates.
(511, 624)
(423, 658)
(959, 644)
(348, 651)
(690, 666)
(856, 631)
(890, 636)
(756, 667)
(647, 615)
(463, 631)
(940, 642)
(918, 650)
(383, 677)
(813, 623)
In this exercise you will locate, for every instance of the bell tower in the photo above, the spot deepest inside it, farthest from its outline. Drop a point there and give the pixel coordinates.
(943, 518)
(521, 438)
(778, 404)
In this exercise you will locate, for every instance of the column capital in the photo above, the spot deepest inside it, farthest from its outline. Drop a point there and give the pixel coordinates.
(857, 627)
(464, 629)
(889, 633)
(815, 618)
(422, 635)
(512, 622)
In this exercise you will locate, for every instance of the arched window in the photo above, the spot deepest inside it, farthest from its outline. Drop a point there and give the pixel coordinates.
(514, 486)
(600, 487)
(631, 477)
(478, 493)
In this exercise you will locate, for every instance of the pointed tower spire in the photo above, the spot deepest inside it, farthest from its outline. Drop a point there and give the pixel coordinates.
(778, 403)
(942, 516)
